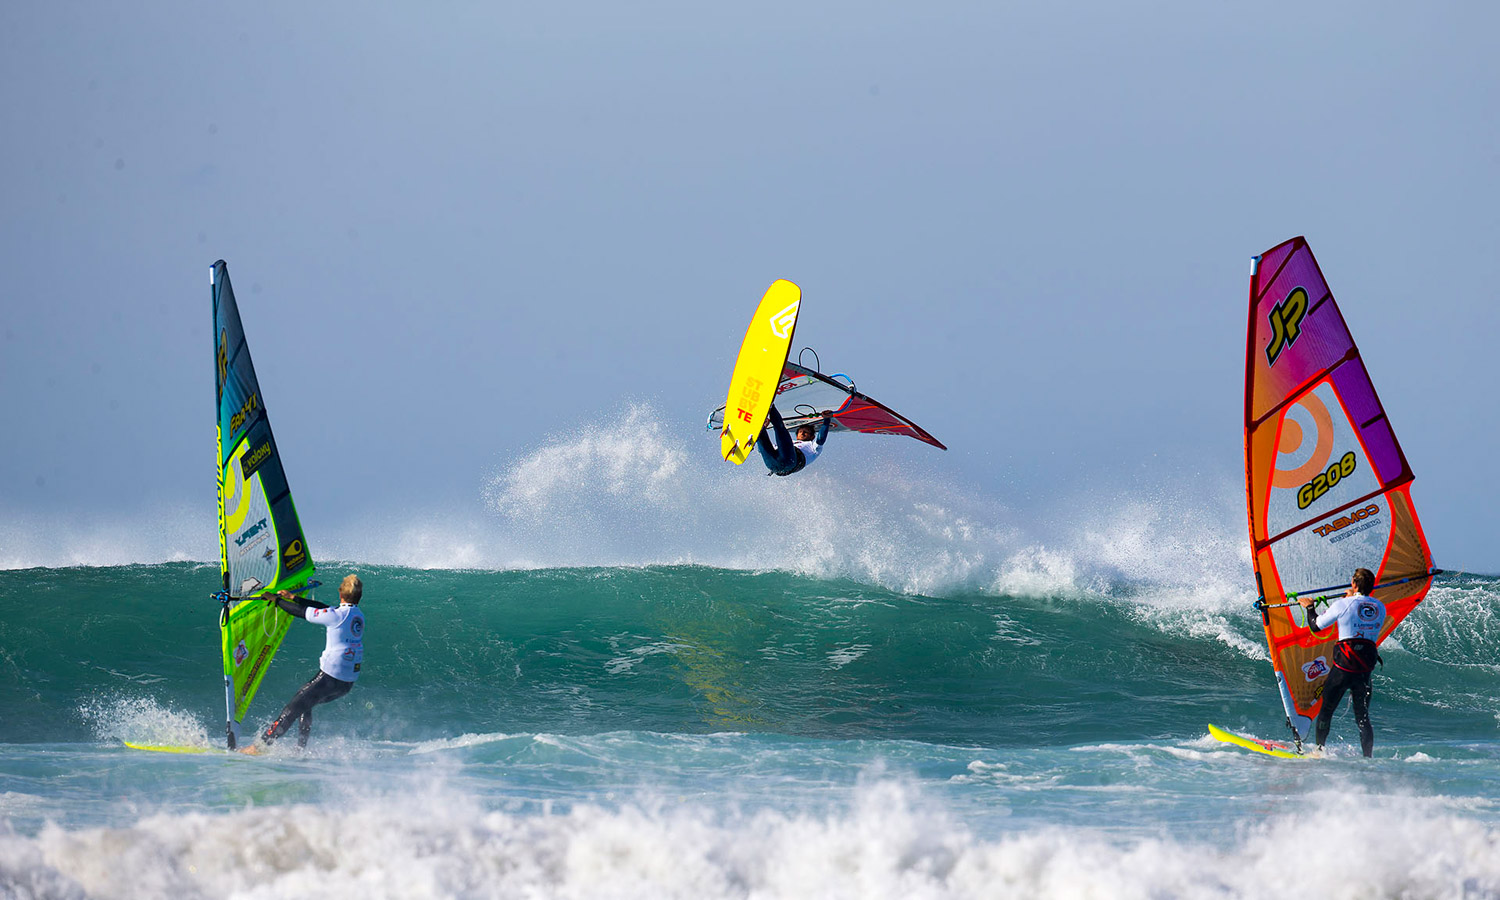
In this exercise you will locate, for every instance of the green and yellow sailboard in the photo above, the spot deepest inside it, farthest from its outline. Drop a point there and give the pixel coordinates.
(261, 545)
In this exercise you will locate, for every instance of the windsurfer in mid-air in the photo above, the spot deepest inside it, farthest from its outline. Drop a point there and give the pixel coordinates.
(788, 457)
(338, 667)
(1359, 618)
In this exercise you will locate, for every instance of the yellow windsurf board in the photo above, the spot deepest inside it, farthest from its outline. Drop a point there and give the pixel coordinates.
(255, 749)
(757, 372)
(166, 748)
(1259, 745)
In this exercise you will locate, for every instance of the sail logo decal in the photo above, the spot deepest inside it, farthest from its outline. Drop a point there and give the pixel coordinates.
(1305, 444)
(241, 653)
(223, 356)
(260, 662)
(252, 403)
(749, 395)
(255, 529)
(1286, 323)
(294, 556)
(1315, 669)
(1364, 514)
(1322, 481)
(252, 460)
(782, 322)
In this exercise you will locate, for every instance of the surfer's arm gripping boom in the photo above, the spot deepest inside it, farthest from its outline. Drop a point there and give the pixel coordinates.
(297, 606)
(1292, 599)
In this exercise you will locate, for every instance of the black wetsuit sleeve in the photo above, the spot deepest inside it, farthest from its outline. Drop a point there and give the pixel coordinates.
(1312, 620)
(299, 606)
(823, 432)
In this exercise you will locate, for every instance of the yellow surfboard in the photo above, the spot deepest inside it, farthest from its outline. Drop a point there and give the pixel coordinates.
(166, 748)
(252, 750)
(1259, 745)
(758, 370)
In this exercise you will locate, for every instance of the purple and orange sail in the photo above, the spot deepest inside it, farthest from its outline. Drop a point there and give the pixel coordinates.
(1327, 486)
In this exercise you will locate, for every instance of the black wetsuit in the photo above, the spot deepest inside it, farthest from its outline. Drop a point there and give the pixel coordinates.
(321, 689)
(1354, 662)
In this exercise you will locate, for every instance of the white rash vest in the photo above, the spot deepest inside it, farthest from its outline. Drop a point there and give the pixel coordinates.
(1359, 617)
(810, 451)
(345, 649)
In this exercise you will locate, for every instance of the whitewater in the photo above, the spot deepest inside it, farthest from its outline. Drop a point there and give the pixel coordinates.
(647, 675)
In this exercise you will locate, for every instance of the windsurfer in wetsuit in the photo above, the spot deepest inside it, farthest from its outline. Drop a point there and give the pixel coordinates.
(787, 457)
(1360, 618)
(338, 667)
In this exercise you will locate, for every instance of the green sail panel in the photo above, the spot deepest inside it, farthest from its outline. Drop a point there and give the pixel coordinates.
(261, 544)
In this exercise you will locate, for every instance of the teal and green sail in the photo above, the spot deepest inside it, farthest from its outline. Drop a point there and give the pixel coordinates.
(261, 545)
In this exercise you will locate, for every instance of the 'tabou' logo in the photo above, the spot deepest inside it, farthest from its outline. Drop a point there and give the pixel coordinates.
(782, 322)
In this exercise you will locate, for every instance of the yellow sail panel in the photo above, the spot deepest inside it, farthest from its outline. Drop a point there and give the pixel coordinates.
(251, 631)
(757, 372)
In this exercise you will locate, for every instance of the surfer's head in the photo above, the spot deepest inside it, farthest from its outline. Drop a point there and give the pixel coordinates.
(1364, 581)
(350, 589)
(805, 432)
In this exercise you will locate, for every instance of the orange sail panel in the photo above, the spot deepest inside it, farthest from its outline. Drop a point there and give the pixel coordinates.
(1326, 482)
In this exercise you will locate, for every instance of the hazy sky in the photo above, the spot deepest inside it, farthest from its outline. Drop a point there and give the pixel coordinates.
(458, 228)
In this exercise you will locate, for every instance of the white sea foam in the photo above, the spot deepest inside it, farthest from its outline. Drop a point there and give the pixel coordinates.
(892, 843)
(461, 742)
(142, 720)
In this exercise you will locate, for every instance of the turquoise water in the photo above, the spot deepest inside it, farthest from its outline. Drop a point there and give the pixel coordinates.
(698, 731)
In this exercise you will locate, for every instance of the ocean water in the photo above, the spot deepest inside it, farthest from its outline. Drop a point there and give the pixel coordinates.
(698, 731)
(646, 676)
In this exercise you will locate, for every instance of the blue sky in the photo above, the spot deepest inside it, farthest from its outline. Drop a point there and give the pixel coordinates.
(457, 229)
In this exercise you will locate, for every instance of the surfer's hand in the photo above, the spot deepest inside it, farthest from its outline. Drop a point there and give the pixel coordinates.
(1307, 602)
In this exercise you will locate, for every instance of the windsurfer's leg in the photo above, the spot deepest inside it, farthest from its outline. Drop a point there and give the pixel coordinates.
(767, 450)
(782, 457)
(784, 446)
(1333, 692)
(1359, 697)
(294, 710)
(326, 689)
